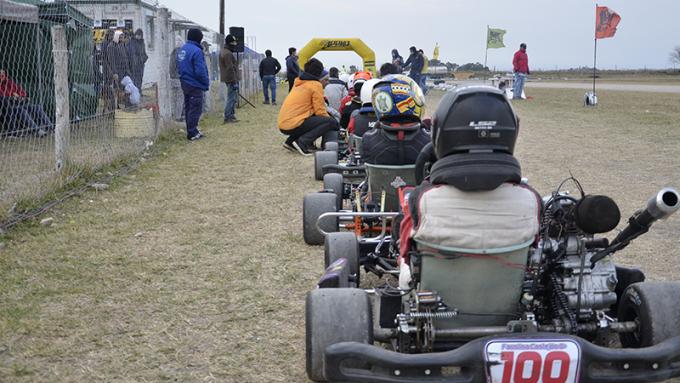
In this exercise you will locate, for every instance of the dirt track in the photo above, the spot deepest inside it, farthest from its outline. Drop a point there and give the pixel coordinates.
(193, 268)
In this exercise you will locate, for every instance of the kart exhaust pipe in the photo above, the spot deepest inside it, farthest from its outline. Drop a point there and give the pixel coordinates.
(664, 203)
(660, 206)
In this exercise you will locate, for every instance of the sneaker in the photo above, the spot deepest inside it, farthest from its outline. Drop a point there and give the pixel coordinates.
(290, 147)
(230, 120)
(301, 148)
(197, 136)
(273, 102)
(266, 102)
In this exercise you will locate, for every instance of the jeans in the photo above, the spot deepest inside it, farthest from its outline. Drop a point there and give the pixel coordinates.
(269, 82)
(312, 128)
(31, 117)
(415, 77)
(423, 83)
(230, 106)
(518, 85)
(193, 107)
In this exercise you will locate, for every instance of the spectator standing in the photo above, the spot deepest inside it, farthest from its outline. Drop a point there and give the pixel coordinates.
(336, 89)
(138, 57)
(520, 66)
(117, 57)
(397, 60)
(107, 92)
(415, 65)
(19, 111)
(303, 115)
(269, 68)
(229, 76)
(193, 75)
(423, 72)
(292, 67)
(175, 84)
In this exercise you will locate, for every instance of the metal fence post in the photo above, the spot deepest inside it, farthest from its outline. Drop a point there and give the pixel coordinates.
(62, 129)
(163, 39)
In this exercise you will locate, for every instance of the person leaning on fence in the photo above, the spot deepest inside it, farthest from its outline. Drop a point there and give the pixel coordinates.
(303, 116)
(138, 57)
(175, 84)
(269, 68)
(18, 114)
(230, 76)
(292, 67)
(193, 75)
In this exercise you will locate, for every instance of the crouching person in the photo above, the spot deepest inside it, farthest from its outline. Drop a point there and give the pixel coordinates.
(473, 212)
(303, 116)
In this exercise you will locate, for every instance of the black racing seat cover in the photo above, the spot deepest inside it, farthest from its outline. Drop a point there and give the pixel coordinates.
(476, 171)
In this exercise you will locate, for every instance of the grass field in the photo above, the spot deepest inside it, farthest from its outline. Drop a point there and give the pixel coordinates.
(193, 267)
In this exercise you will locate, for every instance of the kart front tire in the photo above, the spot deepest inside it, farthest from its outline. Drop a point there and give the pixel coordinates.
(325, 309)
(656, 308)
(313, 205)
(334, 182)
(322, 158)
(343, 245)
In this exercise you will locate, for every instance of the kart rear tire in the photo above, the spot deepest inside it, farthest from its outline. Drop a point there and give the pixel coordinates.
(333, 316)
(313, 205)
(343, 245)
(322, 158)
(331, 146)
(334, 182)
(656, 307)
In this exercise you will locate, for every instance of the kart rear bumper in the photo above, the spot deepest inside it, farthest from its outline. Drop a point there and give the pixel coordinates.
(467, 363)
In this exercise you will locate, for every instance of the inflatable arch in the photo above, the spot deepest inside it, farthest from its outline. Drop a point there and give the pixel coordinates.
(340, 44)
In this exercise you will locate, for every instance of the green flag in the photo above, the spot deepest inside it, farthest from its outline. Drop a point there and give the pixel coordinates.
(494, 38)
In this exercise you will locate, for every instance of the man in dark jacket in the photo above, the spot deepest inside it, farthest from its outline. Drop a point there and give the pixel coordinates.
(193, 74)
(138, 57)
(269, 67)
(292, 67)
(118, 60)
(415, 64)
(229, 76)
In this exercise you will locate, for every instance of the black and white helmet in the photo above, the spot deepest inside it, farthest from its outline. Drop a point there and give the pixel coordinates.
(474, 119)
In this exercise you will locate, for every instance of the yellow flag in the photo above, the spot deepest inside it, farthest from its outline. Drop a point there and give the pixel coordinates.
(435, 54)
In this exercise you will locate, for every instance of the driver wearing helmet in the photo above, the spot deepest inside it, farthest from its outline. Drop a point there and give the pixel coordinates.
(473, 202)
(399, 136)
(364, 119)
(353, 100)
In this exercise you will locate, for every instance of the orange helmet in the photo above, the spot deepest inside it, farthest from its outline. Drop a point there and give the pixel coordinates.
(362, 76)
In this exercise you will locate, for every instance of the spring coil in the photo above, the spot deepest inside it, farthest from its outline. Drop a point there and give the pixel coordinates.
(434, 315)
(562, 303)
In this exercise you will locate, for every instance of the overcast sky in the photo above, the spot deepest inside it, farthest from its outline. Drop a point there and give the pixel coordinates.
(559, 34)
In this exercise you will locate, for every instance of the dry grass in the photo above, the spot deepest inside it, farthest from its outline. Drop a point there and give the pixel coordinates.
(213, 287)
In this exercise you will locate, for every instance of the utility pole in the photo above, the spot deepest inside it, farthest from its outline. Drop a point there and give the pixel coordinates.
(222, 17)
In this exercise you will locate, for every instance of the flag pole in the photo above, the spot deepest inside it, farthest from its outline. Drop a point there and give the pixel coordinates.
(595, 51)
(486, 53)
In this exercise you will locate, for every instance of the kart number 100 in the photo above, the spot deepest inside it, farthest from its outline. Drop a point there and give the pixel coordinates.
(515, 361)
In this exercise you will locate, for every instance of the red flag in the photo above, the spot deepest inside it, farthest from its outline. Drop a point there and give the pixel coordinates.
(606, 21)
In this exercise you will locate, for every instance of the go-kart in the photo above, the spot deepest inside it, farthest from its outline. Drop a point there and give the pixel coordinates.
(546, 312)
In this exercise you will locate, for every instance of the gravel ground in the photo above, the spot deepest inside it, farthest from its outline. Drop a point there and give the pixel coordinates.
(193, 268)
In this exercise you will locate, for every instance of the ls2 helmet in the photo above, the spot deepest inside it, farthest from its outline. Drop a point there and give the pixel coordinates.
(398, 98)
(474, 119)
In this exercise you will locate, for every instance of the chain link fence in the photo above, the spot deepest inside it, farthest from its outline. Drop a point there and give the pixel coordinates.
(77, 95)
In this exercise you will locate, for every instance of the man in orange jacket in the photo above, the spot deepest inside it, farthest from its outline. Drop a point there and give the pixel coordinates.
(303, 115)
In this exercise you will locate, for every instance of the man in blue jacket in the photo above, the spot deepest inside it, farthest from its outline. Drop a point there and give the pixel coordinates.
(193, 75)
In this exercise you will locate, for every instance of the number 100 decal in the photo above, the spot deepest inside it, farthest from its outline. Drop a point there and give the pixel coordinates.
(536, 361)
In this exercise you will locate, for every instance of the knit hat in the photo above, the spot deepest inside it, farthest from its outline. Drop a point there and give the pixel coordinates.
(314, 67)
(195, 35)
